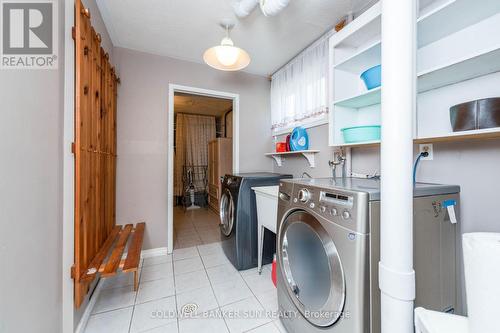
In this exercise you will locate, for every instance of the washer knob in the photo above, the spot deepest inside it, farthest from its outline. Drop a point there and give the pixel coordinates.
(346, 215)
(322, 209)
(304, 195)
(333, 211)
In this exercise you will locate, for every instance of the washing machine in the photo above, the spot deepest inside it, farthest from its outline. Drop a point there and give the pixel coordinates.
(238, 218)
(328, 253)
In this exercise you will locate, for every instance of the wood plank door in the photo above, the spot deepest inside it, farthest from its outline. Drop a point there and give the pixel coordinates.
(94, 149)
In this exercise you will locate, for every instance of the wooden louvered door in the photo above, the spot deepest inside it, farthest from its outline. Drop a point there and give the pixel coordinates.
(94, 148)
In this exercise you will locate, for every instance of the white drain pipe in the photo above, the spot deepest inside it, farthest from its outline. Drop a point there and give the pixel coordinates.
(243, 8)
(273, 7)
(396, 274)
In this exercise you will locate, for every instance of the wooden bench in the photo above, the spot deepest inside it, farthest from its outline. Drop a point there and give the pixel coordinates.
(113, 248)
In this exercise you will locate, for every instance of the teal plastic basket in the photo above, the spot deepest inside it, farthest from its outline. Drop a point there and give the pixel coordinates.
(361, 133)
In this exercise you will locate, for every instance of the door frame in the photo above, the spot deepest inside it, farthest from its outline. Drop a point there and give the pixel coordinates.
(172, 89)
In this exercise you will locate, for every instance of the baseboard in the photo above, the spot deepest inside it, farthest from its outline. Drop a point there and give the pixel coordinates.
(88, 310)
(159, 251)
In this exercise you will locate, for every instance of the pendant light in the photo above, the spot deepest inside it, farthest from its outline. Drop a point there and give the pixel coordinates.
(226, 56)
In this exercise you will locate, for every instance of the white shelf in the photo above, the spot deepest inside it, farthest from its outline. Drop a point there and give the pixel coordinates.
(487, 133)
(363, 29)
(363, 59)
(367, 98)
(358, 144)
(445, 17)
(481, 63)
(308, 154)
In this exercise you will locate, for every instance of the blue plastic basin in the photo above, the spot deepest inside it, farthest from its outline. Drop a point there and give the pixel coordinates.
(361, 133)
(372, 77)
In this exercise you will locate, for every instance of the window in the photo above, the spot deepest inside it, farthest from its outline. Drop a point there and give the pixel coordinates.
(299, 90)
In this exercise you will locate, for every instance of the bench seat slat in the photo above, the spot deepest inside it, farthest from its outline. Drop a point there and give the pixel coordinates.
(116, 255)
(101, 255)
(134, 250)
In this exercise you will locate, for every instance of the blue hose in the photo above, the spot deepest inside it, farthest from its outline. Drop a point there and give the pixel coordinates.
(415, 166)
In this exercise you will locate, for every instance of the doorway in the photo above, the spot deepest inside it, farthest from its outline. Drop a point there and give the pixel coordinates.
(203, 145)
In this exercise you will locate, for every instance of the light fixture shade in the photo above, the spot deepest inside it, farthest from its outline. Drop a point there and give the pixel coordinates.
(212, 59)
(226, 57)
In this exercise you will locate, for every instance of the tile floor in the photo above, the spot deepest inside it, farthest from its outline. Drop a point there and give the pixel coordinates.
(195, 227)
(199, 277)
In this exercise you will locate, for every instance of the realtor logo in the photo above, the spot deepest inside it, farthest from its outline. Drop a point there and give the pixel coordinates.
(29, 35)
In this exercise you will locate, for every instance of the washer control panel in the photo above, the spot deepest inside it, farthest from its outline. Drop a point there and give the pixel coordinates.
(345, 207)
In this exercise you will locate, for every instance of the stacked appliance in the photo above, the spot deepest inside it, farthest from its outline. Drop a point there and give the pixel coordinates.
(238, 216)
(328, 253)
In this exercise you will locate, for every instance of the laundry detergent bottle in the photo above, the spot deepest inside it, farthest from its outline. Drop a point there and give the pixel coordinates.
(299, 140)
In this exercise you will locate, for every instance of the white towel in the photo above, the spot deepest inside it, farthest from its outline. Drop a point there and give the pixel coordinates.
(482, 281)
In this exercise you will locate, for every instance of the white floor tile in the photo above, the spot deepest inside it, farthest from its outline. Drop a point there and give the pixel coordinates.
(157, 260)
(251, 271)
(209, 249)
(269, 300)
(169, 328)
(119, 280)
(247, 314)
(269, 267)
(222, 273)
(280, 326)
(208, 325)
(204, 298)
(115, 298)
(186, 253)
(215, 260)
(117, 321)
(267, 328)
(190, 281)
(153, 314)
(231, 291)
(188, 265)
(152, 290)
(157, 272)
(260, 283)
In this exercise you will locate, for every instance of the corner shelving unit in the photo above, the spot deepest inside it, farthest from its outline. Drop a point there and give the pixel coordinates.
(308, 154)
(453, 59)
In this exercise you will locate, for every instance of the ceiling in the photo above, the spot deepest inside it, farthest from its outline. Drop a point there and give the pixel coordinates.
(184, 29)
(197, 104)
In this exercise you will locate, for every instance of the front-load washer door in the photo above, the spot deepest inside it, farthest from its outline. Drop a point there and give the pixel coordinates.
(227, 215)
(311, 269)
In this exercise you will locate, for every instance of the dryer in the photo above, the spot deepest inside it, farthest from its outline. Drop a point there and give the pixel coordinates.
(238, 218)
(328, 253)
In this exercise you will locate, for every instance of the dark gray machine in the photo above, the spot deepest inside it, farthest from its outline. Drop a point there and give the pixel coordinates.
(329, 249)
(238, 216)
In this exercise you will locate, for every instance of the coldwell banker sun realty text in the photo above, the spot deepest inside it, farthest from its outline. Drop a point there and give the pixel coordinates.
(29, 34)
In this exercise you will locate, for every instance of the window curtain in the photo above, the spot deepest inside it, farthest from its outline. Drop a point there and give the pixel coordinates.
(299, 89)
(192, 134)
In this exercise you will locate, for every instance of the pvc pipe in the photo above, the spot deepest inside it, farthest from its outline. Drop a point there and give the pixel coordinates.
(396, 274)
(272, 7)
(243, 8)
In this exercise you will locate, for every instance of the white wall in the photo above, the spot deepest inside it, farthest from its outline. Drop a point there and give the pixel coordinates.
(31, 106)
(142, 131)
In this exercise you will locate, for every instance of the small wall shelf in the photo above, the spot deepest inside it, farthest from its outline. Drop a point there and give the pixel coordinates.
(366, 57)
(367, 98)
(482, 63)
(308, 154)
(430, 22)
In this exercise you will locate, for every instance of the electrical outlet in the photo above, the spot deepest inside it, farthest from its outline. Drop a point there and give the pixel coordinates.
(427, 147)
